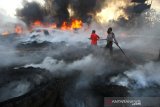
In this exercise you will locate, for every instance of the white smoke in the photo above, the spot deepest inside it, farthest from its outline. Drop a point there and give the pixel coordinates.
(14, 89)
(10, 56)
(70, 37)
(143, 76)
(7, 23)
(89, 64)
(7, 55)
(49, 64)
(144, 42)
(143, 37)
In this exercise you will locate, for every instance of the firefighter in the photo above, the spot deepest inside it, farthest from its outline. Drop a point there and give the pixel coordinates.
(94, 38)
(110, 38)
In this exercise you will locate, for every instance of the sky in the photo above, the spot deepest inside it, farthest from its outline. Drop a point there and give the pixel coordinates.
(8, 7)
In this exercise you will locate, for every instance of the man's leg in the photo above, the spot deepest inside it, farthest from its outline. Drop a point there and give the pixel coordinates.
(111, 48)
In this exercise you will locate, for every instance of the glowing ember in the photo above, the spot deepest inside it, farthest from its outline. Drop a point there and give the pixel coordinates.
(18, 29)
(113, 10)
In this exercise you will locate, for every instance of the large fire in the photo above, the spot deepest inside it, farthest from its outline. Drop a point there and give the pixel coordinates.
(74, 24)
(112, 11)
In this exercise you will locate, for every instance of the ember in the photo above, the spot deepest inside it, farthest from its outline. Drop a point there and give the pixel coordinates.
(18, 29)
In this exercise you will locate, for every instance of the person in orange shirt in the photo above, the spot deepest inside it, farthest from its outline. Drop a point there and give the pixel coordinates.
(94, 38)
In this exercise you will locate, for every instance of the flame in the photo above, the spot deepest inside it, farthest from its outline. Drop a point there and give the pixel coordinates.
(75, 24)
(5, 33)
(112, 11)
(37, 23)
(18, 29)
(65, 26)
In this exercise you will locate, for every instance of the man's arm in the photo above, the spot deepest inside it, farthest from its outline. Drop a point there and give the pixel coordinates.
(98, 37)
(90, 37)
(115, 39)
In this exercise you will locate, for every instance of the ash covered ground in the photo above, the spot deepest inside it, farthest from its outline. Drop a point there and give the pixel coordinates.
(63, 69)
(29, 65)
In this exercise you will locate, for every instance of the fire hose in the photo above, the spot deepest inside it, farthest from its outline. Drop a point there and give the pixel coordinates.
(122, 52)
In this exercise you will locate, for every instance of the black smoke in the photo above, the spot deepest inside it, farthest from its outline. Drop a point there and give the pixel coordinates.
(61, 12)
(30, 12)
(57, 10)
(83, 9)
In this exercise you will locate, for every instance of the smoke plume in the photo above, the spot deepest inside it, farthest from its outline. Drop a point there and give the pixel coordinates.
(121, 12)
(31, 12)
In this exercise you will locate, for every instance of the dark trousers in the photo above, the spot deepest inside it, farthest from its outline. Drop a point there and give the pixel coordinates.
(109, 46)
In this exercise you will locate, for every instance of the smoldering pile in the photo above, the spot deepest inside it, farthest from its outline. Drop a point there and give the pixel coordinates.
(17, 82)
(95, 73)
(92, 66)
(57, 65)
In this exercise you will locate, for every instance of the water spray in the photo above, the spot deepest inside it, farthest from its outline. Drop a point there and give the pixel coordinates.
(122, 52)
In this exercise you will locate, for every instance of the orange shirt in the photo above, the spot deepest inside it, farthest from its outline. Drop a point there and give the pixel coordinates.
(94, 38)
